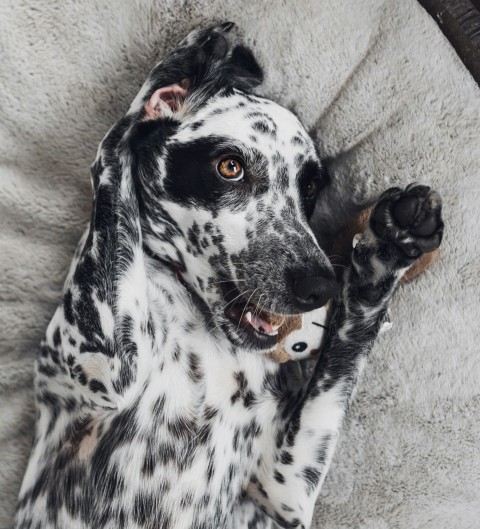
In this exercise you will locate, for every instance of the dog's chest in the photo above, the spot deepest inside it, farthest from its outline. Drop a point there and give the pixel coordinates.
(183, 441)
(197, 441)
(199, 422)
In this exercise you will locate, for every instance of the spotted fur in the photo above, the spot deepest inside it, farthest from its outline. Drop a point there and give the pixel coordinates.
(154, 410)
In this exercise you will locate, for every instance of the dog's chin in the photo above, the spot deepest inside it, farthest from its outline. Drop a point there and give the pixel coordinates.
(244, 335)
(247, 325)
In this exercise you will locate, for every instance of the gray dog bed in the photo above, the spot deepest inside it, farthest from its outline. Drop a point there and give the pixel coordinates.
(390, 102)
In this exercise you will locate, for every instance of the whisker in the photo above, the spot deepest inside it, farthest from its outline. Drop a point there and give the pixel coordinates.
(231, 290)
(257, 306)
(229, 281)
(263, 306)
(244, 308)
(241, 294)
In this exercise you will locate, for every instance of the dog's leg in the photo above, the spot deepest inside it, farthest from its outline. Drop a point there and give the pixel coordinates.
(403, 226)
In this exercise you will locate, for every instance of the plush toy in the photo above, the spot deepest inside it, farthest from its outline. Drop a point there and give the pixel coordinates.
(301, 336)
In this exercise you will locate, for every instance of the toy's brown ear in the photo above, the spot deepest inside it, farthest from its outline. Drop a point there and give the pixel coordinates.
(291, 324)
(280, 355)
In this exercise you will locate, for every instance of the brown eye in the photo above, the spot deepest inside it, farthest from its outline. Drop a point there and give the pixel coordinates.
(230, 169)
(311, 190)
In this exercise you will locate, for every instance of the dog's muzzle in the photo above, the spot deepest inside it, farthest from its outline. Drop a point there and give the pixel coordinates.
(311, 292)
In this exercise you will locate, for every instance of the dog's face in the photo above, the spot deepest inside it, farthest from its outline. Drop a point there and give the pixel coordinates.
(227, 187)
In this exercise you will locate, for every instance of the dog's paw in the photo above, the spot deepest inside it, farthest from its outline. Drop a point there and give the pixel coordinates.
(411, 219)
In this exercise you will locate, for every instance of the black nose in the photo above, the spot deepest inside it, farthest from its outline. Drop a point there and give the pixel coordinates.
(313, 291)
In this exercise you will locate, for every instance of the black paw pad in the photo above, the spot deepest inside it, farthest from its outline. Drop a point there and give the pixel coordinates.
(411, 219)
(405, 210)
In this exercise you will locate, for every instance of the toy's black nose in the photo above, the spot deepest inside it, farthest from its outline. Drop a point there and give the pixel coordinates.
(313, 291)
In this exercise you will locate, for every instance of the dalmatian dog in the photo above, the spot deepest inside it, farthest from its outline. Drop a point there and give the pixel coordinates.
(158, 405)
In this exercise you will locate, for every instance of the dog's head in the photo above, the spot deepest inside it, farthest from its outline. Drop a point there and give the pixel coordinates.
(226, 182)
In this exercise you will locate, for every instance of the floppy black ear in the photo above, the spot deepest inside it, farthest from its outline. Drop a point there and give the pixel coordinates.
(204, 62)
(244, 71)
(220, 61)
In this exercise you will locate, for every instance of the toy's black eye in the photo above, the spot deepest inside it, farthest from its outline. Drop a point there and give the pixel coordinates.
(230, 169)
(299, 347)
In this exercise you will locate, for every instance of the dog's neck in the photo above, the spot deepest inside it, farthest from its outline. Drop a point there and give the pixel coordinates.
(190, 321)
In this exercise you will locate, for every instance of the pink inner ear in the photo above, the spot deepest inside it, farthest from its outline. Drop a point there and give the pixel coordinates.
(169, 95)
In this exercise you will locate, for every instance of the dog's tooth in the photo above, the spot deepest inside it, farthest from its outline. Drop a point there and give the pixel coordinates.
(248, 316)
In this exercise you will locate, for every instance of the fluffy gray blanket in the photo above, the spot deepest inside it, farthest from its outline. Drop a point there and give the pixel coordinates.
(390, 102)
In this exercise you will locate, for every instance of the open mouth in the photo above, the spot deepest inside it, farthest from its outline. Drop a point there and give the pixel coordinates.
(259, 326)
